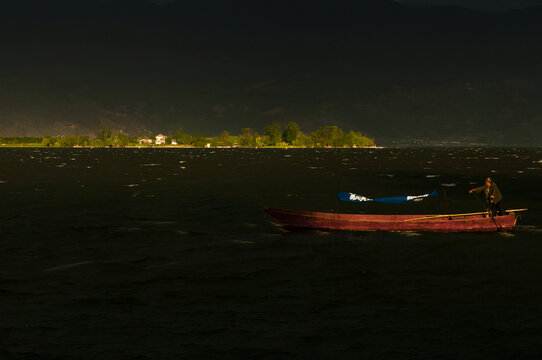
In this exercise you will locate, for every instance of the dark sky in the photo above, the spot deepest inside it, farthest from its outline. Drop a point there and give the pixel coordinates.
(488, 5)
(393, 72)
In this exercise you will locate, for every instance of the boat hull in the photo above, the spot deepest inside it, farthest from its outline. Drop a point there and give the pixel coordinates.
(361, 222)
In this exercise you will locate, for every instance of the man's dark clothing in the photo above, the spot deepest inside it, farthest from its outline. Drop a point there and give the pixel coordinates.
(493, 197)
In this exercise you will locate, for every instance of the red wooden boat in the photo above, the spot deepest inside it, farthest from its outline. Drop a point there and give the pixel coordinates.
(471, 222)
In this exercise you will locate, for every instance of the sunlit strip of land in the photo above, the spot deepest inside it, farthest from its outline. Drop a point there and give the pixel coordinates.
(273, 136)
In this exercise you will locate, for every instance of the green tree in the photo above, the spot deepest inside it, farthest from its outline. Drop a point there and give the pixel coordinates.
(247, 137)
(328, 136)
(120, 139)
(181, 137)
(234, 140)
(303, 140)
(47, 141)
(224, 139)
(355, 139)
(259, 140)
(104, 134)
(199, 140)
(290, 133)
(67, 141)
(80, 140)
(273, 134)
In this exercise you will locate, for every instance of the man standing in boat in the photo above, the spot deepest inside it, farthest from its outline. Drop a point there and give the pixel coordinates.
(493, 196)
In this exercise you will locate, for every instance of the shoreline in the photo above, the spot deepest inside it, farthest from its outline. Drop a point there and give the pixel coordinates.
(182, 147)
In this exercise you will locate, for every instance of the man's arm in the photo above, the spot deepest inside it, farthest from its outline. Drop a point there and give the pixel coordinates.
(478, 189)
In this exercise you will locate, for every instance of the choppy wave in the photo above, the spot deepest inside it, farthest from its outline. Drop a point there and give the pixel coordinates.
(68, 266)
(529, 228)
(200, 259)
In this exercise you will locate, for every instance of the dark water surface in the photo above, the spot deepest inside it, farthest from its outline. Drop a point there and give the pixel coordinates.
(167, 254)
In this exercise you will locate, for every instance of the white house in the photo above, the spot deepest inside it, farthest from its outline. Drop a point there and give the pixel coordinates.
(160, 139)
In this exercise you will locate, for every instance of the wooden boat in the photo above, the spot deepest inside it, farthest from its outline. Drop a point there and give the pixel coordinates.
(471, 222)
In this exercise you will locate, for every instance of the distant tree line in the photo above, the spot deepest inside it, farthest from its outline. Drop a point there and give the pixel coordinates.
(273, 136)
(105, 137)
(19, 140)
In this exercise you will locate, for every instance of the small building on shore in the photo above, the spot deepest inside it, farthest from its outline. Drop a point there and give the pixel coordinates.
(145, 141)
(160, 139)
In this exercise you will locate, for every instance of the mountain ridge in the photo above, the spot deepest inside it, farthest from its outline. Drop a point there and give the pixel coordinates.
(218, 69)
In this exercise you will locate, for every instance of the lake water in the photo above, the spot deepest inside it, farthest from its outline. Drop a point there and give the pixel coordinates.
(167, 254)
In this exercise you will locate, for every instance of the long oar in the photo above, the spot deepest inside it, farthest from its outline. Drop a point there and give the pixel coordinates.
(490, 213)
(454, 215)
(441, 216)
(499, 228)
(480, 202)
